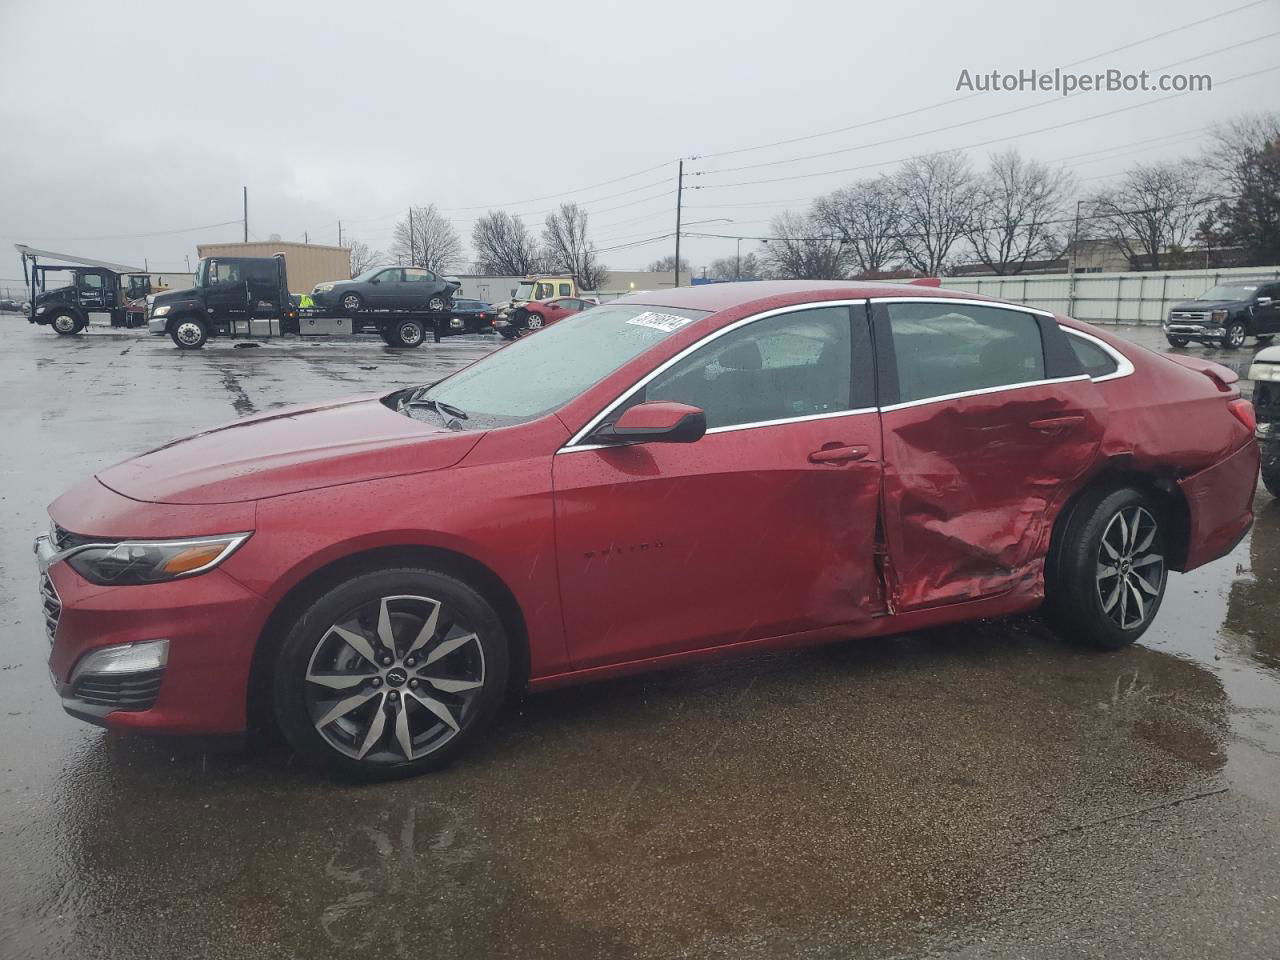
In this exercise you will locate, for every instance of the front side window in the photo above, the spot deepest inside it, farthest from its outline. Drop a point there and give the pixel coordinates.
(791, 365)
(225, 272)
(946, 348)
(389, 276)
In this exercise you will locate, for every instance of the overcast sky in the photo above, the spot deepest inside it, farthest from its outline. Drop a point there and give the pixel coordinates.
(123, 119)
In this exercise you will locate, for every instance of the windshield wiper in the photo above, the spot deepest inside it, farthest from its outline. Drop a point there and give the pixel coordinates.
(439, 406)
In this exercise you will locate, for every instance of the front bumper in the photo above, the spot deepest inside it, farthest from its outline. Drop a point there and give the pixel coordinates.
(158, 326)
(1197, 330)
(211, 623)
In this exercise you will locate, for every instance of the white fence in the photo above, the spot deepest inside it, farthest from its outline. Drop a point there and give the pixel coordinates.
(1107, 297)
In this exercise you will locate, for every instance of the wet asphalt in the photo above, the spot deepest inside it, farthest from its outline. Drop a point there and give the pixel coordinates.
(969, 792)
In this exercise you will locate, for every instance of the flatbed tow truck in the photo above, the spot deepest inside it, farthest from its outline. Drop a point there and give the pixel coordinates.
(94, 286)
(248, 298)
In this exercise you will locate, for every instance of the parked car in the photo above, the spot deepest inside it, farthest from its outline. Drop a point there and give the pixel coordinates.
(470, 316)
(685, 475)
(1227, 315)
(10, 306)
(1265, 374)
(387, 288)
(534, 316)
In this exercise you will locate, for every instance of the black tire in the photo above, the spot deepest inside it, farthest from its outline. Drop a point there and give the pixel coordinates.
(408, 334)
(439, 304)
(189, 333)
(1177, 341)
(1083, 604)
(352, 303)
(387, 337)
(1234, 336)
(355, 744)
(534, 321)
(1271, 465)
(66, 323)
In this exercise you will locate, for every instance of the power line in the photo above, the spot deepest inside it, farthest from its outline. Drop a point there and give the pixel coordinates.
(965, 123)
(136, 236)
(982, 143)
(969, 96)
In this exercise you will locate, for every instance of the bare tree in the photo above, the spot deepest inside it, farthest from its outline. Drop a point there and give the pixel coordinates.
(434, 243)
(867, 217)
(936, 197)
(567, 248)
(1154, 209)
(747, 267)
(667, 264)
(1019, 212)
(504, 246)
(801, 249)
(363, 257)
(1245, 160)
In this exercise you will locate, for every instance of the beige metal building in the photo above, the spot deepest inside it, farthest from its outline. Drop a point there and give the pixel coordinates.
(305, 263)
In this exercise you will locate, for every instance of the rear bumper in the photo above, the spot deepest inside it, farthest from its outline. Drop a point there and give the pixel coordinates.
(1220, 501)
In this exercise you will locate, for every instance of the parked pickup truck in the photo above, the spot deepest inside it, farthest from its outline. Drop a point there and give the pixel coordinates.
(1265, 374)
(1227, 314)
(249, 297)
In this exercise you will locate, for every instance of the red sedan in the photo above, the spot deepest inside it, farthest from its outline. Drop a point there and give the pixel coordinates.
(681, 475)
(533, 316)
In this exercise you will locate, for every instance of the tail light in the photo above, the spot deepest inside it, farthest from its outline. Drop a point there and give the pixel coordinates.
(1243, 411)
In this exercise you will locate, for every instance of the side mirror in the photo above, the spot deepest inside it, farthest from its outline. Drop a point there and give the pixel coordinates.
(374, 280)
(1264, 301)
(657, 422)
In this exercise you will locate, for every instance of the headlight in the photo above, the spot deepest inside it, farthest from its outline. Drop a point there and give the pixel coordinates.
(1218, 317)
(135, 562)
(1264, 371)
(323, 288)
(40, 309)
(160, 311)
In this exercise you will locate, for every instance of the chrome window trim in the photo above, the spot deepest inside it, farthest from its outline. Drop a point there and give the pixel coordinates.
(993, 304)
(574, 444)
(983, 391)
(1124, 366)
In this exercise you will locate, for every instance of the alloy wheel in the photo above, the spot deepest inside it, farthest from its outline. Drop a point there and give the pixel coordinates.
(1130, 575)
(189, 333)
(1236, 335)
(394, 680)
(351, 302)
(435, 304)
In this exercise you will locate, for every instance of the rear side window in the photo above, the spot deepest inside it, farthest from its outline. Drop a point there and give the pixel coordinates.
(1095, 361)
(946, 348)
(564, 290)
(263, 271)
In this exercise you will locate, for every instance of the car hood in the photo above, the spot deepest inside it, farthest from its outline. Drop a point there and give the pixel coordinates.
(173, 296)
(289, 451)
(1207, 304)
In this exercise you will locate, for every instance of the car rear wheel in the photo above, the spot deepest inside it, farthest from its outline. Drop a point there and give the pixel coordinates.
(408, 333)
(390, 674)
(1235, 335)
(438, 304)
(1178, 341)
(352, 302)
(66, 324)
(1107, 573)
(189, 334)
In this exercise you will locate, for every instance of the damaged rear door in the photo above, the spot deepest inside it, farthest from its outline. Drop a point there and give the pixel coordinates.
(988, 418)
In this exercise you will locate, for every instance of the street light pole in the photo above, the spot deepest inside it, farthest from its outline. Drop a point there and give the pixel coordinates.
(679, 197)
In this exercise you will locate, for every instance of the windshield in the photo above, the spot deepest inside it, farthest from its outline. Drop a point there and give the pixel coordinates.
(1230, 291)
(540, 373)
(523, 292)
(202, 273)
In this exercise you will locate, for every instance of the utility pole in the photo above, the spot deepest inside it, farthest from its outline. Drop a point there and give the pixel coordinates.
(246, 214)
(339, 233)
(737, 267)
(1071, 262)
(413, 241)
(306, 237)
(679, 196)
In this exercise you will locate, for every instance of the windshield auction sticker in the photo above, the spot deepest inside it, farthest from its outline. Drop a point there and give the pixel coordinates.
(666, 322)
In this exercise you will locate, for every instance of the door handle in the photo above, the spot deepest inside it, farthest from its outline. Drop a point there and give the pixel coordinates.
(839, 453)
(1057, 424)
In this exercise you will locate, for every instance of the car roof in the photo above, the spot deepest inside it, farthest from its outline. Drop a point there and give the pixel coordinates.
(715, 297)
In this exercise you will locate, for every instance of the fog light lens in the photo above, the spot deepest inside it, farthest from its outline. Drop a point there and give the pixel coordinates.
(123, 658)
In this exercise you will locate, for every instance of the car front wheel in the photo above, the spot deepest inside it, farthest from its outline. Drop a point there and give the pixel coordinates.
(1235, 335)
(1177, 341)
(390, 674)
(66, 324)
(352, 303)
(1108, 570)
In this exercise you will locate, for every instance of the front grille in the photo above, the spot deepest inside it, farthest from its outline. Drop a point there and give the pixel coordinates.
(1198, 316)
(50, 606)
(123, 691)
(64, 539)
